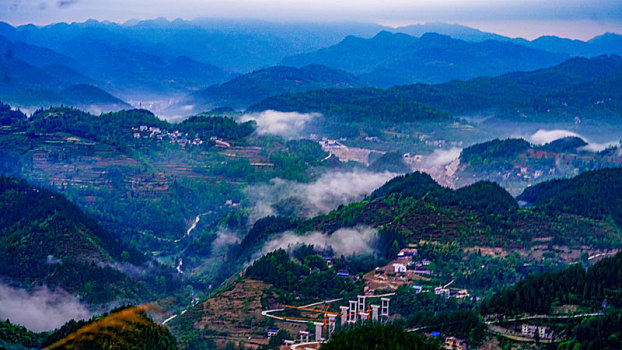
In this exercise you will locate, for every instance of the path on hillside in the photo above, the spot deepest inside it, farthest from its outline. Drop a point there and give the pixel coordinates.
(268, 313)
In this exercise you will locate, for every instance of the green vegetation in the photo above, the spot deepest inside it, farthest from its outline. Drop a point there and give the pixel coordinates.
(595, 194)
(596, 289)
(126, 327)
(378, 337)
(437, 313)
(253, 87)
(391, 161)
(365, 104)
(571, 88)
(11, 117)
(11, 335)
(295, 281)
(516, 164)
(47, 240)
(123, 328)
(485, 154)
(595, 333)
(566, 144)
(118, 128)
(206, 125)
(538, 294)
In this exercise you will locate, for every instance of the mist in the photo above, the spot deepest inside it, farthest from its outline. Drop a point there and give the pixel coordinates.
(345, 241)
(224, 238)
(40, 309)
(542, 137)
(441, 157)
(285, 124)
(441, 165)
(310, 199)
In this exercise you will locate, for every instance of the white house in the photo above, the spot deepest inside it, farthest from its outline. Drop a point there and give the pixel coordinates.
(399, 268)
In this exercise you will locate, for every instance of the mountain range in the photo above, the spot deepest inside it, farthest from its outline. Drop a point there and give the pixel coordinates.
(390, 59)
(157, 61)
(578, 87)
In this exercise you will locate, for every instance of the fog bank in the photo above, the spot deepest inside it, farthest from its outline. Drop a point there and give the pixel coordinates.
(40, 309)
(345, 241)
(310, 199)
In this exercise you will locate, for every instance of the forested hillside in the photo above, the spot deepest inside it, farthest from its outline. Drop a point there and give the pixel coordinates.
(362, 105)
(573, 87)
(48, 240)
(253, 87)
(594, 194)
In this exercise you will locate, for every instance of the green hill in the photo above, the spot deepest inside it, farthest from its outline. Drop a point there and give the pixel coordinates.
(48, 240)
(412, 208)
(85, 95)
(594, 291)
(253, 87)
(516, 164)
(362, 105)
(127, 327)
(596, 194)
(123, 328)
(583, 87)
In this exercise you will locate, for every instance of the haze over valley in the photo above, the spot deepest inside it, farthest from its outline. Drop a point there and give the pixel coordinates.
(278, 181)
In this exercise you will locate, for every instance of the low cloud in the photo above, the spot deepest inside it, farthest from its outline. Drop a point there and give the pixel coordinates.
(542, 137)
(286, 124)
(224, 238)
(40, 309)
(597, 147)
(345, 241)
(306, 200)
(441, 157)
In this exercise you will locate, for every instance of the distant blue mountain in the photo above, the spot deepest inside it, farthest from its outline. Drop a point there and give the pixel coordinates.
(24, 84)
(455, 31)
(166, 58)
(253, 87)
(395, 58)
(606, 44)
(238, 46)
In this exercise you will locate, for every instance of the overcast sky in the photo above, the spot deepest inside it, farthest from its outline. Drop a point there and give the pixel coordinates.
(527, 18)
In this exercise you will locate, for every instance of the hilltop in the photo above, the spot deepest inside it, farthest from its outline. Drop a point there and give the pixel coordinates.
(253, 87)
(516, 164)
(48, 240)
(126, 327)
(594, 194)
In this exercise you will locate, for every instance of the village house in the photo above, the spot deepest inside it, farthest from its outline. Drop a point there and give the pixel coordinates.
(530, 331)
(272, 331)
(453, 343)
(399, 268)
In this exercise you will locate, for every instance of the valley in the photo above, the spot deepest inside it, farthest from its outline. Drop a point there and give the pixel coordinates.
(221, 184)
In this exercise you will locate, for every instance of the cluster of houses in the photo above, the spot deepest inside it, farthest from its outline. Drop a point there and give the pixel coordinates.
(421, 268)
(407, 258)
(153, 132)
(457, 293)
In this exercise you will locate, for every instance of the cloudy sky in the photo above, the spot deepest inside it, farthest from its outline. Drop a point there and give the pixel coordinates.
(528, 18)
